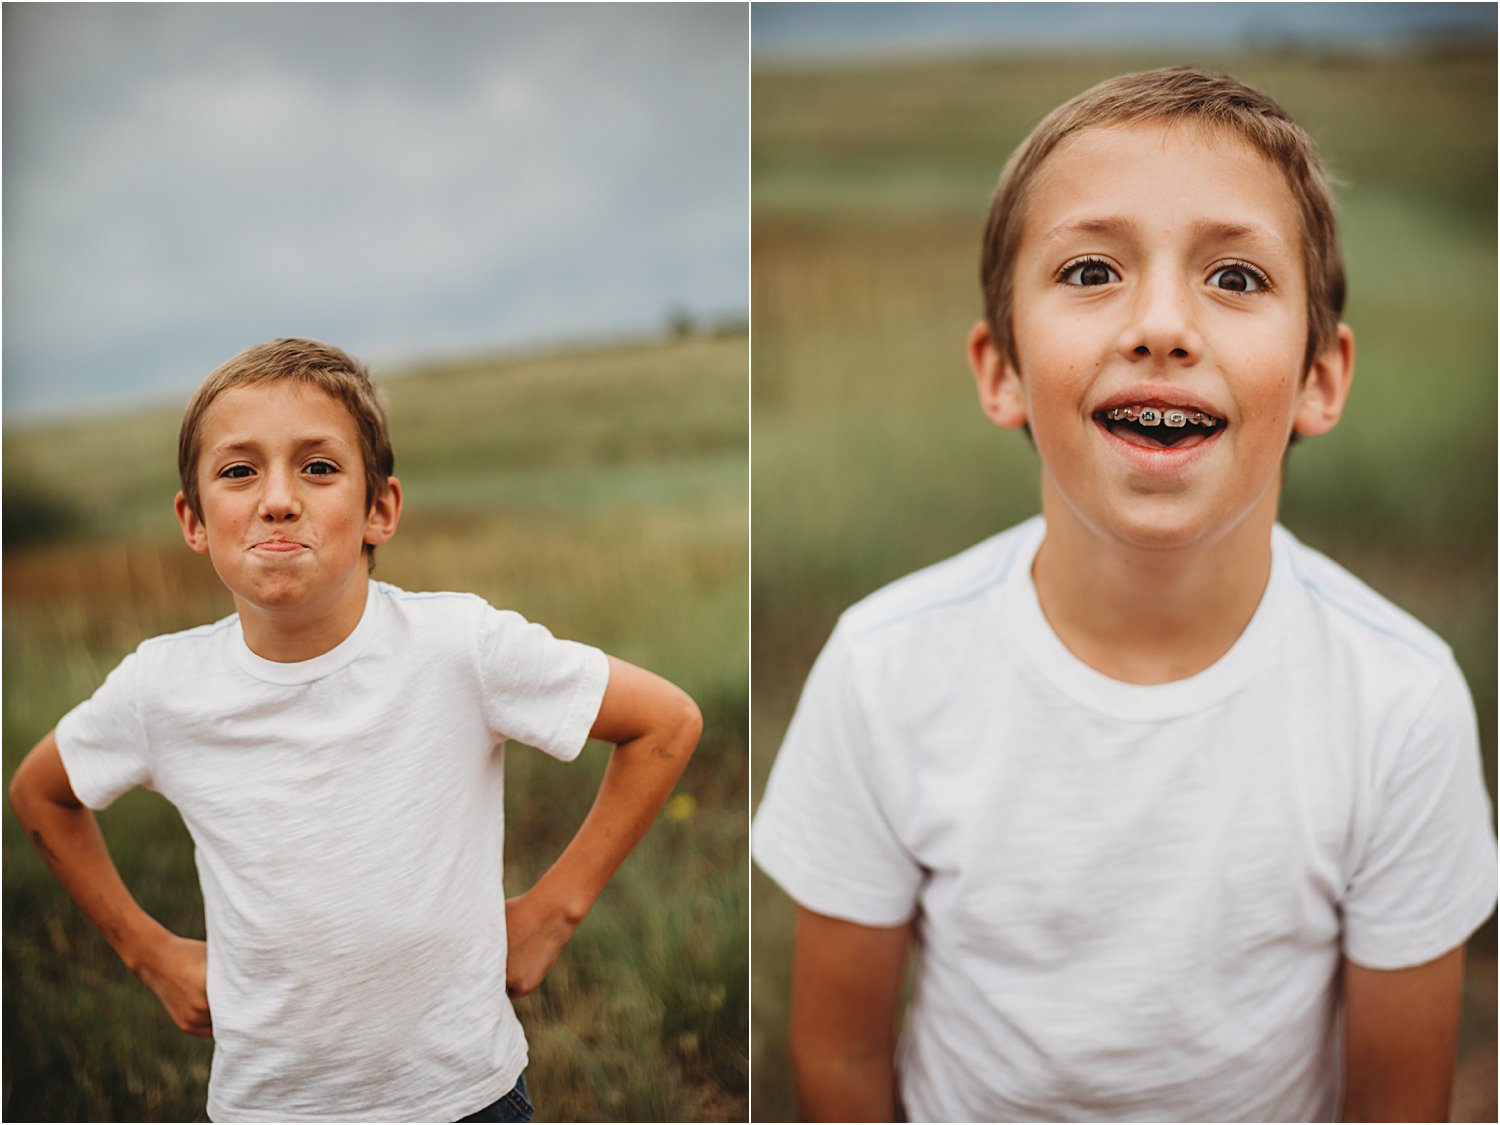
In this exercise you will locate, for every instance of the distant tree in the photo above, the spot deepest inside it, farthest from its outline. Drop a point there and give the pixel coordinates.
(680, 323)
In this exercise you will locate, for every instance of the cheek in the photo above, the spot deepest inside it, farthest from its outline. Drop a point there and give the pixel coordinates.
(1060, 350)
(1057, 377)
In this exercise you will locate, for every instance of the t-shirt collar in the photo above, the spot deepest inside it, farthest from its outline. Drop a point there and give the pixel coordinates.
(306, 671)
(1144, 702)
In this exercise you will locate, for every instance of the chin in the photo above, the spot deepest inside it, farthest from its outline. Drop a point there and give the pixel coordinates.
(268, 595)
(1160, 525)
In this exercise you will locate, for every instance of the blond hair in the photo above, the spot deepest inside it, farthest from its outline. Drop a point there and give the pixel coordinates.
(1173, 95)
(306, 363)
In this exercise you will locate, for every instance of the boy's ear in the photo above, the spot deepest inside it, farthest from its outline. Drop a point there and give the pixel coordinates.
(384, 515)
(1326, 387)
(998, 381)
(194, 530)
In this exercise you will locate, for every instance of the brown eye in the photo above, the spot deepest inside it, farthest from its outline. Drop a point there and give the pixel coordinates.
(1089, 273)
(1237, 279)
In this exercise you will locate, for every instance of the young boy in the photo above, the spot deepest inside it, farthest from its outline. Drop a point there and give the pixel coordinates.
(335, 749)
(1185, 822)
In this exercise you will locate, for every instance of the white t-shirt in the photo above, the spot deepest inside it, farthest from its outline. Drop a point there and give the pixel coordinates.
(347, 813)
(1132, 901)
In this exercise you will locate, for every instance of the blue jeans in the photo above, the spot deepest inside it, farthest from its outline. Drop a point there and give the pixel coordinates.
(514, 1106)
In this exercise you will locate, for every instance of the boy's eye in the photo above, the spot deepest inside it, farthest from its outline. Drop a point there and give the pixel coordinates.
(237, 472)
(320, 468)
(1238, 278)
(1089, 272)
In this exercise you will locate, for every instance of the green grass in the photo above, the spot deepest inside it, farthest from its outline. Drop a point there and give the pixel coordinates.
(601, 492)
(870, 185)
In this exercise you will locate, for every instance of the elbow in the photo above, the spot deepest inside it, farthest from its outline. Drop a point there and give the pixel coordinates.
(41, 782)
(688, 726)
(17, 793)
(22, 792)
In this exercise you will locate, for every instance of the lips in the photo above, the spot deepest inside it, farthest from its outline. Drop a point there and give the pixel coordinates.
(1150, 420)
(277, 546)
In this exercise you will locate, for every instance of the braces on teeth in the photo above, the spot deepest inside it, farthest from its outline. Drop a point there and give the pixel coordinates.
(1150, 416)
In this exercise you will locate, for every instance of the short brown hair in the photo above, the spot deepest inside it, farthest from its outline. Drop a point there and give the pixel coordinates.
(1173, 95)
(307, 363)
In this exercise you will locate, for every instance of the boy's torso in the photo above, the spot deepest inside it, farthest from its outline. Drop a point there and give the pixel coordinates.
(1129, 898)
(347, 817)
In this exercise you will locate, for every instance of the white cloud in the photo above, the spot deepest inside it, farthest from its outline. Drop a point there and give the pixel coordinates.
(486, 173)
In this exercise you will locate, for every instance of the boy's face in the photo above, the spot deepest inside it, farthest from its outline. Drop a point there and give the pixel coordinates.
(282, 490)
(1160, 270)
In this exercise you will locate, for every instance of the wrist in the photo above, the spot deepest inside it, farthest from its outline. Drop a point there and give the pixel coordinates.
(566, 904)
(138, 942)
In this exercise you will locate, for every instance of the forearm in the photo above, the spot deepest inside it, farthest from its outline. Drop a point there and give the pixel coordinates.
(637, 782)
(68, 838)
(654, 727)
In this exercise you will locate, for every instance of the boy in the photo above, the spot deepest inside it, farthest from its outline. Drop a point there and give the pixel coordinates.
(335, 749)
(1186, 822)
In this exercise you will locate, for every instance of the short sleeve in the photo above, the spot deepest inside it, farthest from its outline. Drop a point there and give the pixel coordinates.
(102, 741)
(824, 830)
(1426, 876)
(538, 689)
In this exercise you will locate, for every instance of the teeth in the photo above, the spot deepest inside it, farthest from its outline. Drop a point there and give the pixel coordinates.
(1151, 416)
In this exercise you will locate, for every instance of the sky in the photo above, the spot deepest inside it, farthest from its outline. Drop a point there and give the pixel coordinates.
(182, 181)
(799, 32)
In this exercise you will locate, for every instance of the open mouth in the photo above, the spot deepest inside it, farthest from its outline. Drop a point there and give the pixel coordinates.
(1160, 427)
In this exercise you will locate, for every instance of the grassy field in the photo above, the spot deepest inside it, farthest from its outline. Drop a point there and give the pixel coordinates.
(871, 459)
(600, 492)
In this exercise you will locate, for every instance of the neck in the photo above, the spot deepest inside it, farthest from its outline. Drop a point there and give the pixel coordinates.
(1148, 614)
(288, 635)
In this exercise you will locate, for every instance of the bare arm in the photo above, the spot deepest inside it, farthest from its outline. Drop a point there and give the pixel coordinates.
(1400, 1038)
(655, 727)
(68, 838)
(846, 984)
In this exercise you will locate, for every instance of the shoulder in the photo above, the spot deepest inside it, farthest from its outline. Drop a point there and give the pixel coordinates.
(435, 603)
(1389, 670)
(944, 596)
(445, 616)
(1349, 609)
(463, 625)
(190, 639)
(440, 618)
(195, 646)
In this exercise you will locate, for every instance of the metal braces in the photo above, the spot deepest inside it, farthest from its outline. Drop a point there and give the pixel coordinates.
(1151, 416)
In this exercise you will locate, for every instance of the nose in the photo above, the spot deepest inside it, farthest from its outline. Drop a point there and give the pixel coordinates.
(1161, 324)
(279, 500)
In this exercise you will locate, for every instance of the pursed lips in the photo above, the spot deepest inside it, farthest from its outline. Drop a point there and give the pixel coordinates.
(277, 546)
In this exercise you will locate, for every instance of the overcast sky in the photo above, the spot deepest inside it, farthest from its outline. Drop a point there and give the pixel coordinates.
(182, 181)
(790, 32)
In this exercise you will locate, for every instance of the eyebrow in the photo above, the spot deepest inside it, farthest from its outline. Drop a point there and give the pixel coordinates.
(251, 445)
(1211, 230)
